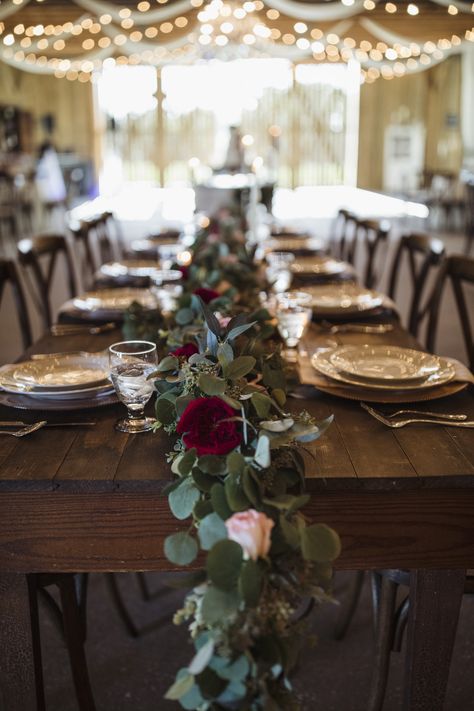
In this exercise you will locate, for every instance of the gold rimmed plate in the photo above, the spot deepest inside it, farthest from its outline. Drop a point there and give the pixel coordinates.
(385, 363)
(322, 362)
(318, 266)
(58, 373)
(113, 300)
(130, 267)
(344, 299)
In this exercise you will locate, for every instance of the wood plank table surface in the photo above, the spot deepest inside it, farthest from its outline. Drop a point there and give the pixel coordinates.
(90, 499)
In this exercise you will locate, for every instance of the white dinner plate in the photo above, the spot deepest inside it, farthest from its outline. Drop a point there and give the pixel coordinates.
(321, 361)
(339, 299)
(318, 265)
(77, 394)
(113, 300)
(130, 267)
(65, 372)
(385, 363)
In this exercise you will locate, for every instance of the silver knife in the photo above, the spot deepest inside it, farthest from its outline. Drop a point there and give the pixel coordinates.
(49, 424)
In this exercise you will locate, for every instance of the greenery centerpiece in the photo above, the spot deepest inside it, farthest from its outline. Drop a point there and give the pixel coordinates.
(257, 562)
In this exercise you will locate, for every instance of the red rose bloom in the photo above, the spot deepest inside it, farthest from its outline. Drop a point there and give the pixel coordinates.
(184, 272)
(206, 295)
(203, 426)
(187, 350)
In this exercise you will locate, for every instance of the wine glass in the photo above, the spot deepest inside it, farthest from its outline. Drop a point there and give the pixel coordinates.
(279, 270)
(292, 320)
(131, 362)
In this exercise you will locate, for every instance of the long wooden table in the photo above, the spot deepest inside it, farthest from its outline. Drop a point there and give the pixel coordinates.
(75, 500)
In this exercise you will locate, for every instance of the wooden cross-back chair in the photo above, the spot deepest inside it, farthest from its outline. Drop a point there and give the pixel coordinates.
(9, 276)
(459, 271)
(344, 233)
(39, 256)
(469, 217)
(369, 236)
(101, 242)
(422, 253)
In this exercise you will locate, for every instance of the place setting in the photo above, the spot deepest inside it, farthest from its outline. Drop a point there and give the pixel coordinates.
(348, 301)
(107, 304)
(381, 373)
(58, 382)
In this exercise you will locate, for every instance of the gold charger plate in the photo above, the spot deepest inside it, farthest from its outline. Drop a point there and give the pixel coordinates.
(324, 266)
(344, 299)
(61, 373)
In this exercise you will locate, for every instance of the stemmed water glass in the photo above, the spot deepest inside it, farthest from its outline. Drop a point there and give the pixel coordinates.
(279, 270)
(131, 362)
(292, 320)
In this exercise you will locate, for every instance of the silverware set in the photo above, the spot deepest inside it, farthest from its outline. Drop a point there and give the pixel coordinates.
(418, 416)
(73, 329)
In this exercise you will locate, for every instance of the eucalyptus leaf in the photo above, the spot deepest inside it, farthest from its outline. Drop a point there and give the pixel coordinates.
(239, 367)
(239, 330)
(182, 402)
(202, 658)
(223, 564)
(185, 316)
(225, 354)
(211, 530)
(290, 532)
(277, 425)
(168, 363)
(250, 583)
(235, 462)
(230, 401)
(165, 411)
(262, 453)
(184, 682)
(181, 548)
(235, 494)
(319, 543)
(211, 385)
(212, 464)
(262, 404)
(210, 318)
(217, 605)
(186, 461)
(183, 499)
(219, 502)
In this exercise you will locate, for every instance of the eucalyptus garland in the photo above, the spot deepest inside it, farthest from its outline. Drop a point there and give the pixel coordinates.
(239, 487)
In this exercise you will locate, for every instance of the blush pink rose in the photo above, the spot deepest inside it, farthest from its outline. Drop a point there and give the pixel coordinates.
(251, 530)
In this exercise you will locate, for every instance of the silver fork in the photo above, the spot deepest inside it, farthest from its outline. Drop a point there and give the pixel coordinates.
(403, 423)
(26, 430)
(379, 328)
(423, 413)
(66, 329)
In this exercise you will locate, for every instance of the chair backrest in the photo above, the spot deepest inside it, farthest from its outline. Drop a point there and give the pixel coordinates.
(39, 256)
(422, 253)
(370, 235)
(101, 241)
(9, 275)
(344, 231)
(459, 270)
(469, 194)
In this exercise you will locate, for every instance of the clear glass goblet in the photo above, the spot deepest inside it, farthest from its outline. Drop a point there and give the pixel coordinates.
(279, 270)
(131, 362)
(292, 320)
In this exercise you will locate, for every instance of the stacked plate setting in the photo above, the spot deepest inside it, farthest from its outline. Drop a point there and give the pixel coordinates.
(66, 377)
(383, 367)
(344, 300)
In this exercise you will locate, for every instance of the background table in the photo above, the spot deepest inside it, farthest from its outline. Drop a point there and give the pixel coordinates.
(91, 500)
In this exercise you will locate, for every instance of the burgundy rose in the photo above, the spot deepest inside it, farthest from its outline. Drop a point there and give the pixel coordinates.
(184, 272)
(205, 425)
(207, 295)
(187, 350)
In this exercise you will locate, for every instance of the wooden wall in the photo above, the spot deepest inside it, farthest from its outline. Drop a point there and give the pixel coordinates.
(69, 101)
(429, 97)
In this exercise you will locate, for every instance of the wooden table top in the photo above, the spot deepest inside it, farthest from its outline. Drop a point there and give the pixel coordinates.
(357, 452)
(91, 499)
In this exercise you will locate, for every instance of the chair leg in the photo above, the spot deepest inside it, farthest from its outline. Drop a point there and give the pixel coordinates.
(347, 612)
(383, 643)
(36, 642)
(74, 634)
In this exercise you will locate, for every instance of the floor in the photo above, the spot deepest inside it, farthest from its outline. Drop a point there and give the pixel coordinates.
(132, 675)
